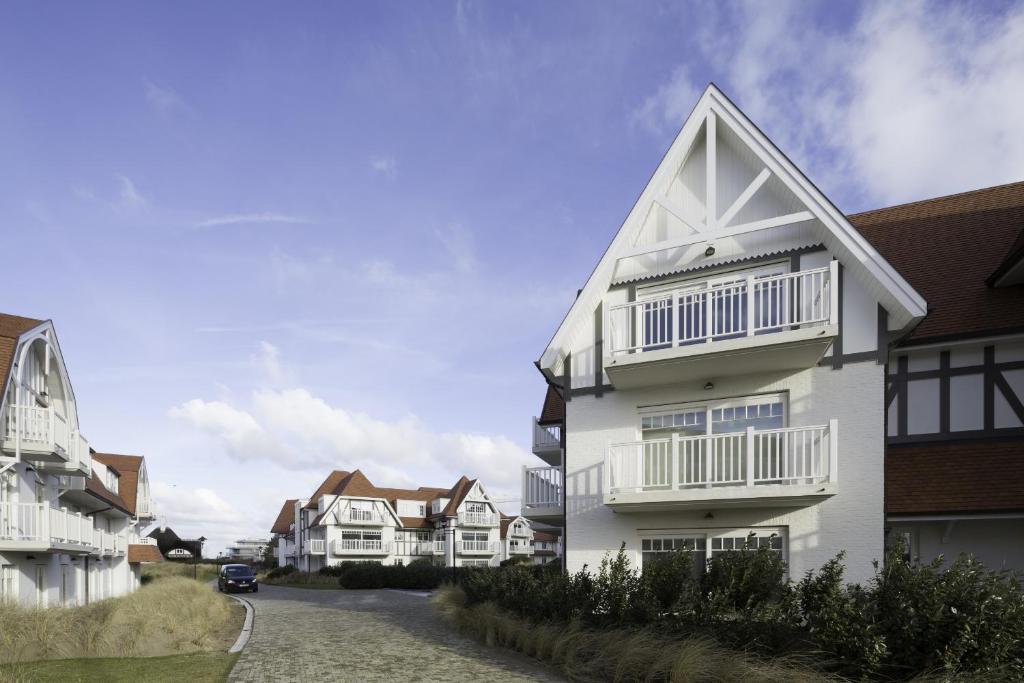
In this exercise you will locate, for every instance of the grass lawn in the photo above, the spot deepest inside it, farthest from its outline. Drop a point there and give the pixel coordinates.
(202, 667)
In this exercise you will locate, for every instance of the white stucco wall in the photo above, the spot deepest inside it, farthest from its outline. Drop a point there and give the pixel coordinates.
(852, 520)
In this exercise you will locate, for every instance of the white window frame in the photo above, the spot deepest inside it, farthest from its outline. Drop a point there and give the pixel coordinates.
(710, 406)
(709, 534)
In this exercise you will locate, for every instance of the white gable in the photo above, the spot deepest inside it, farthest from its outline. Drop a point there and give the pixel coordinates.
(724, 185)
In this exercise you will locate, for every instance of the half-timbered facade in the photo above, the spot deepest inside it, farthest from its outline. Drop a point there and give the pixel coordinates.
(70, 518)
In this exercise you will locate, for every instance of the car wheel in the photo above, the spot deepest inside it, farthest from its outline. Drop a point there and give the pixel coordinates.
(255, 589)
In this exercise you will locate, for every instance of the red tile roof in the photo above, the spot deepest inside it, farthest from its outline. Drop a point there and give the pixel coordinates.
(333, 480)
(95, 487)
(285, 518)
(544, 536)
(955, 477)
(553, 411)
(127, 466)
(11, 328)
(141, 552)
(416, 523)
(969, 234)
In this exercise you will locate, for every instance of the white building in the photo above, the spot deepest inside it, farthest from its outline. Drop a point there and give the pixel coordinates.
(348, 519)
(747, 362)
(69, 517)
(248, 550)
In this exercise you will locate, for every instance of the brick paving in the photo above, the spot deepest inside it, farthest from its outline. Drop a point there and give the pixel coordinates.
(334, 635)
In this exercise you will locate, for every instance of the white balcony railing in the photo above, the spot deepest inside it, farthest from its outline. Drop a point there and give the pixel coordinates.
(703, 313)
(478, 519)
(42, 429)
(794, 455)
(438, 547)
(546, 437)
(316, 546)
(37, 525)
(542, 487)
(520, 549)
(350, 546)
(358, 516)
(477, 547)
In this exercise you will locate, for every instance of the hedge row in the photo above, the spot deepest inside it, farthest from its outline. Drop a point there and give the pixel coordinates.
(909, 619)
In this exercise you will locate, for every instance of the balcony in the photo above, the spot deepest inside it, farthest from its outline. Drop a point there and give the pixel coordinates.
(364, 517)
(478, 519)
(766, 468)
(38, 527)
(547, 442)
(354, 546)
(542, 494)
(145, 509)
(44, 434)
(477, 547)
(744, 326)
(316, 546)
(520, 549)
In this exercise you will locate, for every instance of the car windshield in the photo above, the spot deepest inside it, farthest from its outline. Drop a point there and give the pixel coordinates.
(237, 571)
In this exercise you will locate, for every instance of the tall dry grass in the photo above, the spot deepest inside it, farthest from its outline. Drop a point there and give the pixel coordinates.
(162, 570)
(170, 616)
(618, 654)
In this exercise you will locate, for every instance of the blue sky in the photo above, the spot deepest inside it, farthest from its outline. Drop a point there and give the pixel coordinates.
(276, 240)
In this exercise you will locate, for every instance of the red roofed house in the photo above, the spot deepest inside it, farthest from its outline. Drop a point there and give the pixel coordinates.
(70, 518)
(748, 365)
(350, 519)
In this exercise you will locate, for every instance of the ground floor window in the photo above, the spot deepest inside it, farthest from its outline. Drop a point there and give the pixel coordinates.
(706, 544)
(8, 586)
(475, 563)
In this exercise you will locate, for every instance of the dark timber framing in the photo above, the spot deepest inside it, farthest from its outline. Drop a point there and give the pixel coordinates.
(993, 381)
(599, 348)
(837, 345)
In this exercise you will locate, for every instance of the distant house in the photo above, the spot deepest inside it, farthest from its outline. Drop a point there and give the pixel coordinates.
(70, 518)
(350, 519)
(248, 550)
(173, 547)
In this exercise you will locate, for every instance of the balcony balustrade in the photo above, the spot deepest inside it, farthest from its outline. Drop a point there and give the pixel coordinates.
(547, 442)
(352, 546)
(755, 467)
(477, 547)
(542, 493)
(478, 519)
(39, 527)
(316, 546)
(38, 432)
(359, 516)
(790, 318)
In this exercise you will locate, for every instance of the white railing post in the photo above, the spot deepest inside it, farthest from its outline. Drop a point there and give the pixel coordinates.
(673, 457)
(749, 441)
(833, 292)
(750, 305)
(44, 514)
(674, 319)
(833, 450)
(709, 309)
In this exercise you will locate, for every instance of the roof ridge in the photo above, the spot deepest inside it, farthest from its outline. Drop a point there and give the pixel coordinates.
(928, 200)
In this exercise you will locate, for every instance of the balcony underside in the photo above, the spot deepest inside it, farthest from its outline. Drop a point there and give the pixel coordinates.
(779, 351)
(40, 546)
(769, 495)
(553, 515)
(552, 455)
(30, 450)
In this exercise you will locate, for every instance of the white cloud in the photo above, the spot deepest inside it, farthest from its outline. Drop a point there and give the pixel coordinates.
(917, 100)
(310, 434)
(129, 199)
(666, 109)
(163, 98)
(259, 218)
(202, 512)
(386, 166)
(268, 361)
(460, 245)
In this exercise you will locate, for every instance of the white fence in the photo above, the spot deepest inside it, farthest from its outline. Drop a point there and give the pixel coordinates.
(794, 455)
(42, 429)
(704, 312)
(478, 547)
(542, 487)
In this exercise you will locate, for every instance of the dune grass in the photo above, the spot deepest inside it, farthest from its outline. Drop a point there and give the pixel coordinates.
(170, 616)
(203, 667)
(163, 570)
(585, 654)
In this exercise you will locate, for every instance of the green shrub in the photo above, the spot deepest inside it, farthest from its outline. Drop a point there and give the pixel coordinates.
(278, 572)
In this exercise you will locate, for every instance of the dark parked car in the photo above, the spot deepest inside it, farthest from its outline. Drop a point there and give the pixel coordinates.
(236, 577)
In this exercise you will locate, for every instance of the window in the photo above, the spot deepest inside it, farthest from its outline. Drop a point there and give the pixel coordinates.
(476, 507)
(475, 563)
(422, 509)
(724, 417)
(41, 585)
(474, 536)
(707, 544)
(8, 584)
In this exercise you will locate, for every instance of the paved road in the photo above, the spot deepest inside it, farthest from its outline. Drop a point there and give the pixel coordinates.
(335, 635)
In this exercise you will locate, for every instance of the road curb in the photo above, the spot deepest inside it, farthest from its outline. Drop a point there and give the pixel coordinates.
(250, 618)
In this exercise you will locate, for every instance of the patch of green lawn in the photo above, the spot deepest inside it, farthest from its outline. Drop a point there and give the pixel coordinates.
(202, 667)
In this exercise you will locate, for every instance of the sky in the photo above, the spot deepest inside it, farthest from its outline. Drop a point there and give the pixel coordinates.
(280, 239)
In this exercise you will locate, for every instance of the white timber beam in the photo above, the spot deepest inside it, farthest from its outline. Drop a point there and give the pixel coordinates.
(745, 197)
(676, 210)
(712, 235)
(711, 163)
